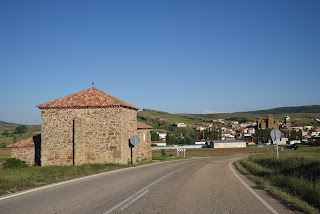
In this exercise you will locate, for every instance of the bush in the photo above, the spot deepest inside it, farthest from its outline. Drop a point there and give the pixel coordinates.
(14, 163)
(163, 152)
(314, 143)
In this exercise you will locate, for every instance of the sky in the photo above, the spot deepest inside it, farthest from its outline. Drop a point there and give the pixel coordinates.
(175, 56)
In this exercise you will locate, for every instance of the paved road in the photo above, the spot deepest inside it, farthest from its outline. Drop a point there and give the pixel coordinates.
(198, 185)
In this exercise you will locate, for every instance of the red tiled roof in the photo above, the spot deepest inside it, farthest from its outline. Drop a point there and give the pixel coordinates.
(23, 143)
(89, 98)
(143, 126)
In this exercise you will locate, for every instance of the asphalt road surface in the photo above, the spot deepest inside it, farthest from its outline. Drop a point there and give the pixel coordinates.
(197, 185)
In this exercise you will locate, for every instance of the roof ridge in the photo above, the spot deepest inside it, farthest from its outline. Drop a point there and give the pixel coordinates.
(91, 97)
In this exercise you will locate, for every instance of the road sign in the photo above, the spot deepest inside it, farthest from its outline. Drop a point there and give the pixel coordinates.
(135, 140)
(275, 134)
(181, 150)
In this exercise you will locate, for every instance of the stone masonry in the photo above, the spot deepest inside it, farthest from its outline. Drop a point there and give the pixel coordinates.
(26, 150)
(270, 123)
(23, 153)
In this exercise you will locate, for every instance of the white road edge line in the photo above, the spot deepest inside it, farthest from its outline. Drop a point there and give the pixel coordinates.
(253, 192)
(139, 196)
(140, 191)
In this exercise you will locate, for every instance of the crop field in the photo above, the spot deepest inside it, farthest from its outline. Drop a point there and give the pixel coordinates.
(294, 177)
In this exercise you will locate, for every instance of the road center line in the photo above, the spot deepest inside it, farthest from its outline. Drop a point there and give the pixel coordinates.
(139, 192)
(253, 192)
(139, 196)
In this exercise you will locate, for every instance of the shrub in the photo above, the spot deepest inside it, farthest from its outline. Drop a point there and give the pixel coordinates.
(14, 163)
(163, 152)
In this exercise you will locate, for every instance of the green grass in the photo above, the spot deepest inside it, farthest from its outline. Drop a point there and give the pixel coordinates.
(12, 180)
(295, 174)
(32, 130)
(4, 139)
(4, 157)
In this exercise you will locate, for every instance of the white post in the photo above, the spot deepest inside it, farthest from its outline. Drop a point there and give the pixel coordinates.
(178, 152)
(184, 151)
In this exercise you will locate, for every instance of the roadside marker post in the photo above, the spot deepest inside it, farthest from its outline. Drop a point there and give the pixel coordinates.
(181, 150)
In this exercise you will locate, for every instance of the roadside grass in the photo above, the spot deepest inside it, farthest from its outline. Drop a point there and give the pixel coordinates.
(12, 180)
(294, 178)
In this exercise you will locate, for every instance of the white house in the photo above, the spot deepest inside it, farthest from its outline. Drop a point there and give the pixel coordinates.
(180, 125)
(159, 143)
(199, 142)
(282, 141)
(162, 136)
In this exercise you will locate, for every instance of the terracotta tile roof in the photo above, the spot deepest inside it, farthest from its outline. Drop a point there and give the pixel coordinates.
(89, 98)
(23, 143)
(143, 126)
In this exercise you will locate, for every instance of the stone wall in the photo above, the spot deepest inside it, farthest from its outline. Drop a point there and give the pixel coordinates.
(127, 130)
(270, 123)
(144, 147)
(24, 153)
(97, 136)
(101, 135)
(230, 145)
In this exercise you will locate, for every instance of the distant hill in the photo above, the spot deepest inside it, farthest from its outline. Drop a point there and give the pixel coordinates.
(2, 122)
(287, 110)
(159, 119)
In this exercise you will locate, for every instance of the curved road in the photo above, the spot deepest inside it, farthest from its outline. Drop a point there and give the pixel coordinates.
(197, 185)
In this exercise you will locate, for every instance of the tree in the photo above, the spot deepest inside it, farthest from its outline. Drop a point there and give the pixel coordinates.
(154, 136)
(20, 129)
(262, 135)
(5, 133)
(293, 135)
(299, 135)
(219, 133)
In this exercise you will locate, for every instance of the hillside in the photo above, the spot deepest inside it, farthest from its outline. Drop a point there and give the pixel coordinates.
(158, 119)
(302, 115)
(286, 110)
(2, 122)
(32, 130)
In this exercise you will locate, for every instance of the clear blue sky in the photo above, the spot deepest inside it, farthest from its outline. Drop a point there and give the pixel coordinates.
(175, 56)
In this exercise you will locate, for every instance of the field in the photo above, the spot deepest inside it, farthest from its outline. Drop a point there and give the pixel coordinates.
(32, 130)
(294, 177)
